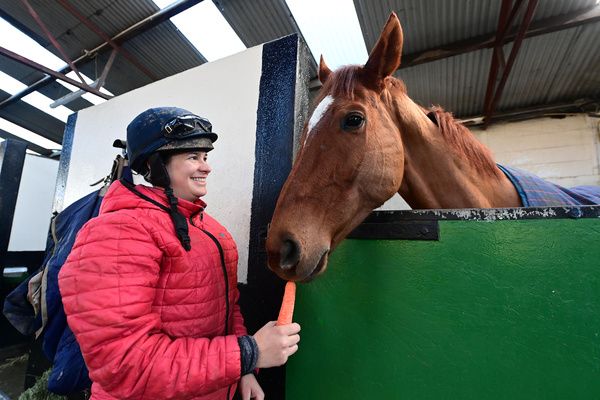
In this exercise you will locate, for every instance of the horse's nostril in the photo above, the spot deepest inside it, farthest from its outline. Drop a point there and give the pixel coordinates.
(290, 254)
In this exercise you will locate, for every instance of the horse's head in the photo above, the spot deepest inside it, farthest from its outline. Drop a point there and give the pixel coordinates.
(351, 161)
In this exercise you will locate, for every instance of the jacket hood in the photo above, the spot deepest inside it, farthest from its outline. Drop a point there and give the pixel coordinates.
(120, 197)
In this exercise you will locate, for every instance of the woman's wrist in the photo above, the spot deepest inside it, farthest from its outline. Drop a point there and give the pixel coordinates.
(248, 354)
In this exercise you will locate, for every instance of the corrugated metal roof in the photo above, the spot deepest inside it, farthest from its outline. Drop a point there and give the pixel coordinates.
(457, 83)
(163, 50)
(542, 72)
(258, 21)
(579, 73)
(551, 68)
(535, 69)
(551, 8)
(431, 23)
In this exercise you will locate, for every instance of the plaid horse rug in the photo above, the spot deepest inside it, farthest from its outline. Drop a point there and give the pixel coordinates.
(536, 192)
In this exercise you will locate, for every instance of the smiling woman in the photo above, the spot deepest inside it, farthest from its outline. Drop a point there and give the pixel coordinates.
(149, 288)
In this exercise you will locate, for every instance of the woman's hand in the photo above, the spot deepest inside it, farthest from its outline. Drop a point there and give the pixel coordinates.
(276, 343)
(250, 389)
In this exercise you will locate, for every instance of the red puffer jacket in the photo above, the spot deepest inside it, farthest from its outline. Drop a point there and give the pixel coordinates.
(154, 321)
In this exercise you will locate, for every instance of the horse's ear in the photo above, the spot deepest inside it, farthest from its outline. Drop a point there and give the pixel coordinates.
(384, 59)
(324, 71)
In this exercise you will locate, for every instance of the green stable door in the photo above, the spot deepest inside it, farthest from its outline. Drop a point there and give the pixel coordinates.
(493, 309)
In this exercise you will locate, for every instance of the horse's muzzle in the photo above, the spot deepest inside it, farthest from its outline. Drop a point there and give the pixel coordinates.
(289, 259)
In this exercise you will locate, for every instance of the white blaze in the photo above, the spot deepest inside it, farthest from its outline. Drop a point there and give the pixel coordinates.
(318, 113)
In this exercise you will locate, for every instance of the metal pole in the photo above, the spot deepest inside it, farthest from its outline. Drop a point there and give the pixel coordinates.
(497, 55)
(98, 83)
(511, 59)
(51, 72)
(52, 39)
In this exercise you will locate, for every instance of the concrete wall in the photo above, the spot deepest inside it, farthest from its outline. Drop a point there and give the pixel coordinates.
(564, 151)
(34, 204)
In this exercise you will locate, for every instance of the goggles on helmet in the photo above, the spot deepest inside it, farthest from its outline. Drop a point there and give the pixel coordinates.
(185, 125)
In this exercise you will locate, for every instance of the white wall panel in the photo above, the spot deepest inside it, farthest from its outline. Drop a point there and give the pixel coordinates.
(34, 204)
(564, 151)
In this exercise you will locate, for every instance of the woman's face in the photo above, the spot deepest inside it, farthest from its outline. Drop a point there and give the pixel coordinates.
(188, 172)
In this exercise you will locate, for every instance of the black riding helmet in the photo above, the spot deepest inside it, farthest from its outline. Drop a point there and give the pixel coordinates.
(162, 130)
(166, 129)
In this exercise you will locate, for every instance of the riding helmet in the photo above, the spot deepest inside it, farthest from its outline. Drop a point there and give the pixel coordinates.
(166, 128)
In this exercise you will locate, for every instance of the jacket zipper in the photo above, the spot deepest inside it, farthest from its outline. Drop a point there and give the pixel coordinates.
(224, 268)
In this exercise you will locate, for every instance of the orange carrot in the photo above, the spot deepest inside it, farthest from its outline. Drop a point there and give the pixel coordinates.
(286, 311)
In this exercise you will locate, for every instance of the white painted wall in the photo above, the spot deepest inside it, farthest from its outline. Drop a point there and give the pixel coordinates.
(34, 204)
(564, 151)
(222, 91)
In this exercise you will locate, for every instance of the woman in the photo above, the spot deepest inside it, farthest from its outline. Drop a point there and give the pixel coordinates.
(150, 287)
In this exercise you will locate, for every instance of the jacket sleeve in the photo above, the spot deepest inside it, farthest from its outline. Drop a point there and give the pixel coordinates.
(108, 285)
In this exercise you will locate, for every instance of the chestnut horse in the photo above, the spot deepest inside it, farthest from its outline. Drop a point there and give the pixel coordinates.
(365, 141)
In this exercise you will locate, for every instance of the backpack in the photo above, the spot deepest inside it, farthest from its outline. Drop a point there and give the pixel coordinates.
(35, 306)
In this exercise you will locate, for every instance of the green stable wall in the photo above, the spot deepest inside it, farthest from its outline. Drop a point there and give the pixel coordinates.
(493, 310)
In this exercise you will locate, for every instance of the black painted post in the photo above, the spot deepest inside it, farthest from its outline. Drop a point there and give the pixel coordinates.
(12, 158)
(280, 117)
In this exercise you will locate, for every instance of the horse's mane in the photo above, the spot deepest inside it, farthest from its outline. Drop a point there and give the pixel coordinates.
(341, 83)
(462, 140)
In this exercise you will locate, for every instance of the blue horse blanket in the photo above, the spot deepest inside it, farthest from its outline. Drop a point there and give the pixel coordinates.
(536, 192)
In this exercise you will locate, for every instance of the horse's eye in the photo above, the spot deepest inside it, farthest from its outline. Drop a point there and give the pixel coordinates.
(352, 121)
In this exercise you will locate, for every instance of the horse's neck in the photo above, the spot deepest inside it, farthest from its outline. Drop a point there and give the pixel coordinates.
(436, 176)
